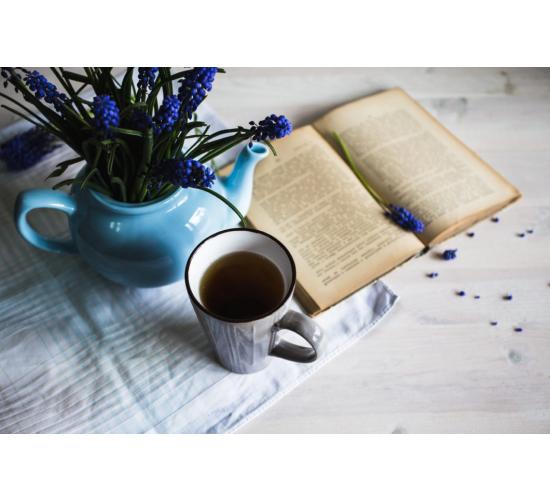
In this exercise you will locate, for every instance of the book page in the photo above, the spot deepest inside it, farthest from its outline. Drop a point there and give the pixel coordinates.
(340, 239)
(411, 160)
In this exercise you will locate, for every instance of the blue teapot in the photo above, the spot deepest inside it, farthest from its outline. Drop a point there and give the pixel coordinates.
(144, 244)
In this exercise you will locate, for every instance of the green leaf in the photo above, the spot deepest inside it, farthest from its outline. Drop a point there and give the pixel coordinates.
(75, 76)
(127, 152)
(65, 182)
(70, 90)
(63, 166)
(120, 183)
(100, 189)
(127, 131)
(127, 85)
(164, 75)
(152, 98)
(90, 174)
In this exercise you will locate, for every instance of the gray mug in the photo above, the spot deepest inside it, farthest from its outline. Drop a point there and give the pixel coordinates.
(247, 346)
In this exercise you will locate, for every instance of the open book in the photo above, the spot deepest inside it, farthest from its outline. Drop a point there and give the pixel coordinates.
(340, 238)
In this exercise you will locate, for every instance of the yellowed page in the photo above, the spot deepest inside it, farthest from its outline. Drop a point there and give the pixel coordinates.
(339, 237)
(413, 161)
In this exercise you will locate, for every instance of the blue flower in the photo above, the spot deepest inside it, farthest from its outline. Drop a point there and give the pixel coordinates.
(9, 76)
(106, 114)
(193, 88)
(146, 79)
(186, 173)
(43, 89)
(449, 254)
(461, 293)
(139, 120)
(5, 75)
(271, 127)
(167, 115)
(402, 217)
(27, 149)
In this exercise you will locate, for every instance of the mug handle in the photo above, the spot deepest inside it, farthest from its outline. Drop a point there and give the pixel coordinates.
(43, 198)
(306, 328)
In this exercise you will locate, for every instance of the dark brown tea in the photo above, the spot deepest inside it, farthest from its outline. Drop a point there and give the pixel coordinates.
(242, 286)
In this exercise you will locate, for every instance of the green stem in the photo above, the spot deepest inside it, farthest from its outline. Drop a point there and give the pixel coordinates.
(226, 201)
(357, 172)
(147, 152)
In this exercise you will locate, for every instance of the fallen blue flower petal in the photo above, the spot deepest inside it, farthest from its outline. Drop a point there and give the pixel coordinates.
(449, 254)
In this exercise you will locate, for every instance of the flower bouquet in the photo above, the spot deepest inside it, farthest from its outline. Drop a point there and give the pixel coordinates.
(139, 134)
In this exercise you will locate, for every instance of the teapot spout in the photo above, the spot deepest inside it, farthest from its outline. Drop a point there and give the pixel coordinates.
(238, 184)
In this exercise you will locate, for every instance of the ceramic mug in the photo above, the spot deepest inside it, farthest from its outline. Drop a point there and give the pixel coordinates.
(248, 346)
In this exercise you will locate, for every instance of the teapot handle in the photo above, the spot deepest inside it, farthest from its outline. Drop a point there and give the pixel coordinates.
(43, 198)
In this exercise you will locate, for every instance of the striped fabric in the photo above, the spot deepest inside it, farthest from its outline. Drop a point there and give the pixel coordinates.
(81, 354)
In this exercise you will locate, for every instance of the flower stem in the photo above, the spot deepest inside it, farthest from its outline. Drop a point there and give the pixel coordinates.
(357, 172)
(226, 201)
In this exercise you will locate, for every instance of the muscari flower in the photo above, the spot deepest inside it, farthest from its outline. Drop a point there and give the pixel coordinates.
(146, 79)
(271, 127)
(5, 75)
(167, 115)
(449, 254)
(43, 89)
(139, 120)
(193, 88)
(106, 114)
(27, 149)
(185, 173)
(433, 275)
(9, 75)
(402, 217)
(461, 293)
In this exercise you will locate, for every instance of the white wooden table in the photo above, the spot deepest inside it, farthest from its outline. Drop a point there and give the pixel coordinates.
(436, 364)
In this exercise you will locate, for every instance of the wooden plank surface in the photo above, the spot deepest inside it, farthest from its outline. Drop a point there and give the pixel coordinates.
(436, 364)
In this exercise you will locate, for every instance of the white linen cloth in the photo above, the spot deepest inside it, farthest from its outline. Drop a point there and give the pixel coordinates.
(81, 354)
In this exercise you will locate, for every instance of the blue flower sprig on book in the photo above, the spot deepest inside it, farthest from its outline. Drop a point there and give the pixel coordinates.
(27, 149)
(398, 214)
